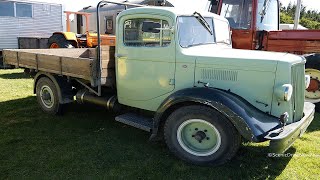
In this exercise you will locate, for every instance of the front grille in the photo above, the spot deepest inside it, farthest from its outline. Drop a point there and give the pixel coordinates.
(298, 83)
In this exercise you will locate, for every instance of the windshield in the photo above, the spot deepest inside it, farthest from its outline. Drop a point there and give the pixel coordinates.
(192, 32)
(238, 13)
(270, 20)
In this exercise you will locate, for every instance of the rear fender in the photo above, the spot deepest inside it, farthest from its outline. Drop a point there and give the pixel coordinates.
(59, 82)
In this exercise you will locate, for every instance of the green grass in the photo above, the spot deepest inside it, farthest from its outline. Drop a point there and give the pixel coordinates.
(87, 143)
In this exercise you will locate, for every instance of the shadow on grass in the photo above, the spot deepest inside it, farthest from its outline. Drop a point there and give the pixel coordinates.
(86, 142)
(14, 76)
(315, 124)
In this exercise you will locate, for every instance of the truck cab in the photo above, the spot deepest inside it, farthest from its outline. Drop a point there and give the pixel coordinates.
(167, 58)
(176, 76)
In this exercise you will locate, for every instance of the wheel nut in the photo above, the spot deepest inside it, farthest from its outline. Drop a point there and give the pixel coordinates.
(192, 135)
(200, 141)
(196, 129)
(205, 130)
(208, 138)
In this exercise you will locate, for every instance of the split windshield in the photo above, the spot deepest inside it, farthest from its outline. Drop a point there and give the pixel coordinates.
(192, 32)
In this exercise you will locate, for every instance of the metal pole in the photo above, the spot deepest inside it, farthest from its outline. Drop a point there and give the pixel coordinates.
(99, 36)
(297, 15)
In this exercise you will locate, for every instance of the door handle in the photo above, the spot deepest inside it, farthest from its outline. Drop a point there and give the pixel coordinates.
(246, 32)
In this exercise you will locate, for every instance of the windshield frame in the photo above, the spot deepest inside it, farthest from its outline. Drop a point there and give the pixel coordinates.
(191, 16)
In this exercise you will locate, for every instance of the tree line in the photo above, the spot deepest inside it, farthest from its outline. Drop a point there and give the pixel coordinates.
(308, 18)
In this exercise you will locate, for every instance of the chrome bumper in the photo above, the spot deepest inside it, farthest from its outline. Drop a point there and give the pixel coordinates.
(280, 142)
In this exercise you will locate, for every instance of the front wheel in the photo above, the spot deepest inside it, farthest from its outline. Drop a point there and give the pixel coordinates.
(200, 135)
(47, 96)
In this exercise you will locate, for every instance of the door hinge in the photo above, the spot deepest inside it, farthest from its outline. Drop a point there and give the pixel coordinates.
(171, 82)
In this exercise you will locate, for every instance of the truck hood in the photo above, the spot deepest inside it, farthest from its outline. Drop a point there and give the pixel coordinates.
(243, 59)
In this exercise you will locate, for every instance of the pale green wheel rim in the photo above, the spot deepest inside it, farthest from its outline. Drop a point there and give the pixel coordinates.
(46, 96)
(314, 74)
(199, 137)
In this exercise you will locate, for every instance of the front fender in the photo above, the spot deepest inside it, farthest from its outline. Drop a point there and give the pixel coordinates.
(248, 120)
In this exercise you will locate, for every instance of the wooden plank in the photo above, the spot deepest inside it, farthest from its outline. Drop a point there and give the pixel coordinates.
(108, 64)
(49, 63)
(27, 59)
(313, 35)
(77, 63)
(108, 73)
(108, 48)
(77, 66)
(10, 57)
(293, 46)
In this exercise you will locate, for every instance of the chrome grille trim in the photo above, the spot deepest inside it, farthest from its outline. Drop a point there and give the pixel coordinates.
(298, 84)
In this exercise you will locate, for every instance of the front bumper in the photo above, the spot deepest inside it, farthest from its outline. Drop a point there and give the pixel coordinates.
(280, 142)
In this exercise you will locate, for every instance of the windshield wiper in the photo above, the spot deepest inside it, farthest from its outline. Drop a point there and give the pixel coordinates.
(202, 21)
(264, 9)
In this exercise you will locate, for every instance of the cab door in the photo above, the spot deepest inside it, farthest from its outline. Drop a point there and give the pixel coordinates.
(145, 61)
(240, 16)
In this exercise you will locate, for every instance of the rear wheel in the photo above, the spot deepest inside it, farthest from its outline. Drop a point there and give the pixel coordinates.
(59, 41)
(313, 69)
(202, 136)
(47, 96)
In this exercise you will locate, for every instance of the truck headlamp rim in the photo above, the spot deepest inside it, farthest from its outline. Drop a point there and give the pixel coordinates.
(288, 90)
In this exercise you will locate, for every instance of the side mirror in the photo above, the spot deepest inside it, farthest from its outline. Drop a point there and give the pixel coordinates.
(148, 26)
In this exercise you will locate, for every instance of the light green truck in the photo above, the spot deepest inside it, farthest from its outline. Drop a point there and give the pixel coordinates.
(174, 74)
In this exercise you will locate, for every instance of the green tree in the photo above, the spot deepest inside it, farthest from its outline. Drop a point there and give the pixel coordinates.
(308, 18)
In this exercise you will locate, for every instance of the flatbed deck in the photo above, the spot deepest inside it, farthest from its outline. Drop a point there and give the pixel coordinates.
(73, 62)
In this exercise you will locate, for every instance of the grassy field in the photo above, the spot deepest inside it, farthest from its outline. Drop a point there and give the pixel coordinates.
(86, 142)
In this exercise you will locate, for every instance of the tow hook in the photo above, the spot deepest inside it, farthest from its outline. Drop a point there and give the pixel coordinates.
(283, 120)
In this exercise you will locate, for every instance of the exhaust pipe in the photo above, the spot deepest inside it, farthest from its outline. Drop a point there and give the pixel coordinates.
(110, 102)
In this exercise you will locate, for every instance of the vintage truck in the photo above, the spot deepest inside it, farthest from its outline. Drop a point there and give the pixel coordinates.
(174, 74)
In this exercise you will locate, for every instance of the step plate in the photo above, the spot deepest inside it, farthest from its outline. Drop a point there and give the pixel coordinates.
(135, 121)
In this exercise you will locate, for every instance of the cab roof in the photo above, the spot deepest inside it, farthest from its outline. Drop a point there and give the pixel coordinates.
(173, 12)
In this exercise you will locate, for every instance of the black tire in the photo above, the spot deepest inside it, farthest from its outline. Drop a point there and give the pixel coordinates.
(53, 106)
(230, 137)
(313, 62)
(60, 40)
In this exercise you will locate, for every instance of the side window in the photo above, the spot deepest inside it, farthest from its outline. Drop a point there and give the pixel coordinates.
(24, 10)
(7, 9)
(134, 36)
(109, 25)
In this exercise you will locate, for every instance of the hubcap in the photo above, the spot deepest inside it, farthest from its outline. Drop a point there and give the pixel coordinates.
(313, 90)
(198, 137)
(46, 96)
(54, 45)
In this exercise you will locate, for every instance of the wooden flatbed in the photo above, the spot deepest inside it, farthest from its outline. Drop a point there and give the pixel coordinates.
(73, 62)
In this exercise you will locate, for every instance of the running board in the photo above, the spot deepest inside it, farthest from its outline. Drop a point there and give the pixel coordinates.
(135, 121)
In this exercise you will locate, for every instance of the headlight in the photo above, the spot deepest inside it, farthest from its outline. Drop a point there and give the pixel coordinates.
(284, 92)
(307, 82)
